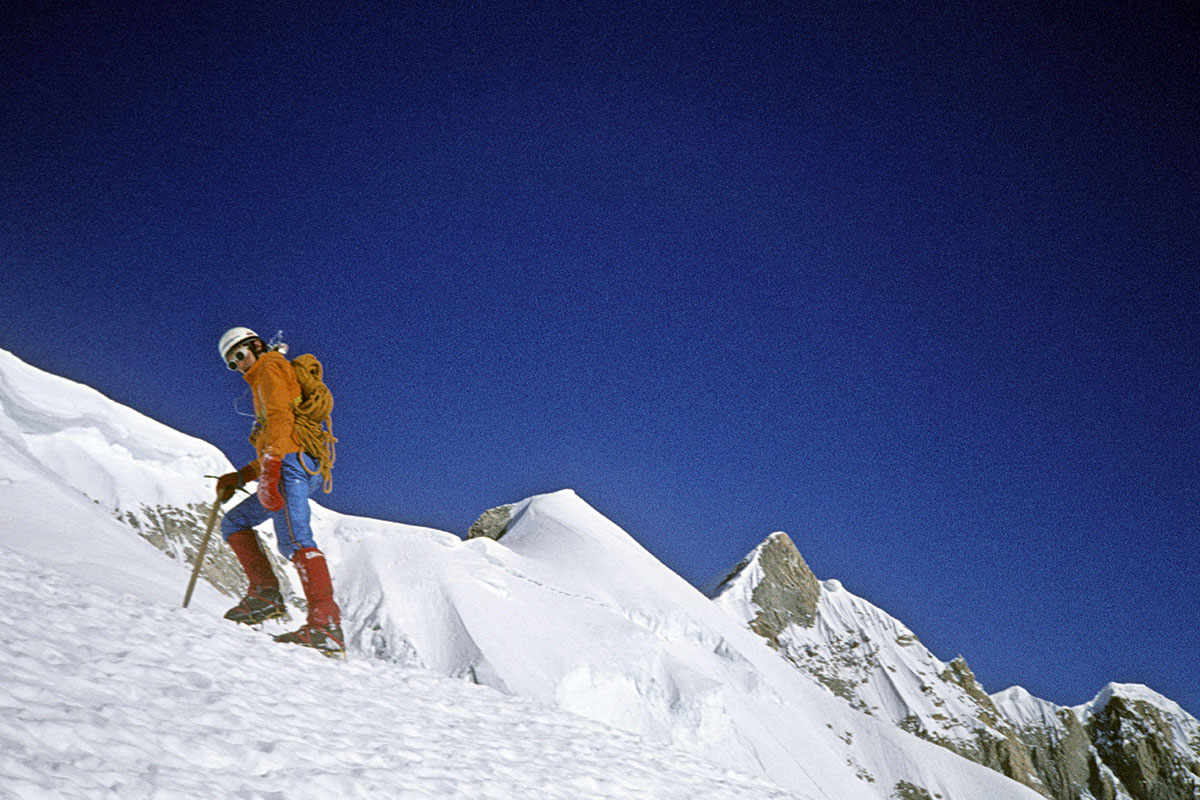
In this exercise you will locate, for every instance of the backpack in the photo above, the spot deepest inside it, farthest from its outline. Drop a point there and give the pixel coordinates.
(313, 425)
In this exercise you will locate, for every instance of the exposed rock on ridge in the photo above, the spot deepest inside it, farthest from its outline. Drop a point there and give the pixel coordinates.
(1152, 746)
(1144, 748)
(1059, 747)
(179, 532)
(1005, 753)
(785, 591)
(492, 524)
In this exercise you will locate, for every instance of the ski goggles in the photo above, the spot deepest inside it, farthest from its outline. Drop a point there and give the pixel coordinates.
(237, 356)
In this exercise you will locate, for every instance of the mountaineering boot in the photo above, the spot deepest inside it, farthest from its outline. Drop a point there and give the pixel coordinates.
(263, 600)
(258, 606)
(328, 639)
(323, 630)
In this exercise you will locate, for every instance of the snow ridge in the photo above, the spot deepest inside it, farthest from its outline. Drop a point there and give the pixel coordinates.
(182, 704)
(1129, 742)
(566, 617)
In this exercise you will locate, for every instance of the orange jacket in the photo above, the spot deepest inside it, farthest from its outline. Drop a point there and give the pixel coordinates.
(273, 384)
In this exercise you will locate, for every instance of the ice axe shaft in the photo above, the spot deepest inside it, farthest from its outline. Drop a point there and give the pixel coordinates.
(212, 521)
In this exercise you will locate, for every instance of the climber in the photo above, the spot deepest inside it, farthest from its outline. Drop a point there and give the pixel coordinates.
(286, 476)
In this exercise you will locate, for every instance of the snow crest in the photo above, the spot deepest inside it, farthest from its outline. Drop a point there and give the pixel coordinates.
(584, 666)
(104, 695)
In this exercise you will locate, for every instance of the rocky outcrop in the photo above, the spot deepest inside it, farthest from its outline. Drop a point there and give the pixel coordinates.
(492, 524)
(1066, 762)
(1128, 744)
(903, 790)
(178, 532)
(1152, 747)
(997, 746)
(869, 659)
(785, 590)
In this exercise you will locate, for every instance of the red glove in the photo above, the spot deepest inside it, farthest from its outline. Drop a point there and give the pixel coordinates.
(230, 482)
(268, 484)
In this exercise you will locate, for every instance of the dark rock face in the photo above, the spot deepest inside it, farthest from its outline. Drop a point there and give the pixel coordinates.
(1006, 755)
(788, 591)
(1135, 740)
(492, 524)
(1065, 760)
(903, 790)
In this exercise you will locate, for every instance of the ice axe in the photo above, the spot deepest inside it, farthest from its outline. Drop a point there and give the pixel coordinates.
(208, 529)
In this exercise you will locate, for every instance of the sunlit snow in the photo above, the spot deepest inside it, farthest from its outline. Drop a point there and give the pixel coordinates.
(562, 661)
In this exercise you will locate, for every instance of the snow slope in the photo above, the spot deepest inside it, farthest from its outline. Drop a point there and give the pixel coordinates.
(71, 461)
(106, 695)
(566, 612)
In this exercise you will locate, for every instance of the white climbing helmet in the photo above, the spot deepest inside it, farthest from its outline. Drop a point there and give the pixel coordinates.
(232, 338)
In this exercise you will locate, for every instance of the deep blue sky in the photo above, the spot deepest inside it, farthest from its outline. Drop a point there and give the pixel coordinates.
(917, 286)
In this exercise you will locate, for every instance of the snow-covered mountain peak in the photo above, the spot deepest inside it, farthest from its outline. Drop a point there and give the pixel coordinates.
(868, 658)
(560, 607)
(772, 589)
(558, 539)
(1129, 743)
(1023, 709)
(1148, 741)
(562, 530)
(1131, 693)
(1116, 703)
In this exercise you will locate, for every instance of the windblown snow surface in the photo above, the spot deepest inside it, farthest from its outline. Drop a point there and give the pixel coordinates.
(112, 695)
(561, 661)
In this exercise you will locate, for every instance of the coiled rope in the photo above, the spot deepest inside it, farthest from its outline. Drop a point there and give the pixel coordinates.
(314, 423)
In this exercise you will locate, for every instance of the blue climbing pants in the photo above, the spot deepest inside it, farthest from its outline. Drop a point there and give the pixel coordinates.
(293, 529)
